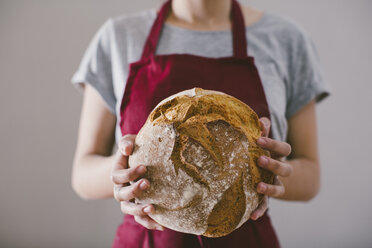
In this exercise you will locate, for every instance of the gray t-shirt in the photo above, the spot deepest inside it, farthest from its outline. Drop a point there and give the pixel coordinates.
(284, 54)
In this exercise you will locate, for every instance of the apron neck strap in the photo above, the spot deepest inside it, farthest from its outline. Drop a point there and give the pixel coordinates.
(238, 30)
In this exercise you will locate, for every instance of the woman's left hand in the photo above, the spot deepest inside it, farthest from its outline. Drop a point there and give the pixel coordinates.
(279, 151)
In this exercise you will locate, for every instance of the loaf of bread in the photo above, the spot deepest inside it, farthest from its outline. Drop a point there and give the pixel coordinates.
(200, 150)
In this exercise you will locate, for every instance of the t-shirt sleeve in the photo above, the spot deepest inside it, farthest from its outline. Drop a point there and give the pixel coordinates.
(95, 66)
(306, 80)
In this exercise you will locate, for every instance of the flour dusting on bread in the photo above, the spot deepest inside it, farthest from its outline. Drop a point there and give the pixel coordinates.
(200, 150)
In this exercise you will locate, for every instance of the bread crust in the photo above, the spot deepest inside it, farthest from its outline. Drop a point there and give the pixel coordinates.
(200, 150)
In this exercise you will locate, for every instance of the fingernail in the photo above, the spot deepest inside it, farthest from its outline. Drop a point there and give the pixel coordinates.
(261, 141)
(122, 150)
(147, 209)
(159, 228)
(141, 169)
(127, 143)
(144, 185)
(262, 188)
(263, 160)
(123, 147)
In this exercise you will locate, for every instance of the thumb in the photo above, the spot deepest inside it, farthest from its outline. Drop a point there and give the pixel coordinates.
(126, 144)
(265, 126)
(125, 148)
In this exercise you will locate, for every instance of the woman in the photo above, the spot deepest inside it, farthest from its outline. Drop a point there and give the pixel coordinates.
(282, 83)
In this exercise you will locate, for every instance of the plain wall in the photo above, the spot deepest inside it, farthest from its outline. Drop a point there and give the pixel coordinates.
(41, 44)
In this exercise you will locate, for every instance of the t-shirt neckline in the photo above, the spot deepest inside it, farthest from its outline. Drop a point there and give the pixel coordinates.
(186, 30)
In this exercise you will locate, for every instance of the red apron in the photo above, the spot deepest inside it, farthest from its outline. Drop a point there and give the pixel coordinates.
(156, 77)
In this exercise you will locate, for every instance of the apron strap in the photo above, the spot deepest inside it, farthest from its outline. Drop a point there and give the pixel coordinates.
(238, 31)
(153, 37)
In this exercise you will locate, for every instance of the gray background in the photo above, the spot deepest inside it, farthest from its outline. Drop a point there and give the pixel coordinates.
(41, 44)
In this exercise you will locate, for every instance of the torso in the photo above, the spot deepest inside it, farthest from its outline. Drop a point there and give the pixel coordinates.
(155, 77)
(270, 38)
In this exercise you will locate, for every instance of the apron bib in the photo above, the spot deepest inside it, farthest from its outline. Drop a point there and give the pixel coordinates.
(155, 77)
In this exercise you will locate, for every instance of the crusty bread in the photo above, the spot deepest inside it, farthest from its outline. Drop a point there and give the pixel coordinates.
(200, 150)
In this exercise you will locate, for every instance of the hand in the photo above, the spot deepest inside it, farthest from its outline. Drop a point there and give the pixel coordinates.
(125, 193)
(276, 164)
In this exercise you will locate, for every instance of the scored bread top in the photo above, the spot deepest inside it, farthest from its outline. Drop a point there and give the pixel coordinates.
(226, 130)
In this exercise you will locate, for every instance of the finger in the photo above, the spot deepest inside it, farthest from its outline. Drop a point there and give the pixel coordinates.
(122, 176)
(280, 148)
(125, 148)
(149, 223)
(265, 126)
(129, 192)
(277, 167)
(258, 212)
(270, 190)
(120, 162)
(136, 209)
(126, 144)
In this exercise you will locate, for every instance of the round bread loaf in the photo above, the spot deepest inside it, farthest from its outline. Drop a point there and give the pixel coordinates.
(200, 150)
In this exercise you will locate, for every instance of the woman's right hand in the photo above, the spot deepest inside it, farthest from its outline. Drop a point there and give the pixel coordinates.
(124, 192)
